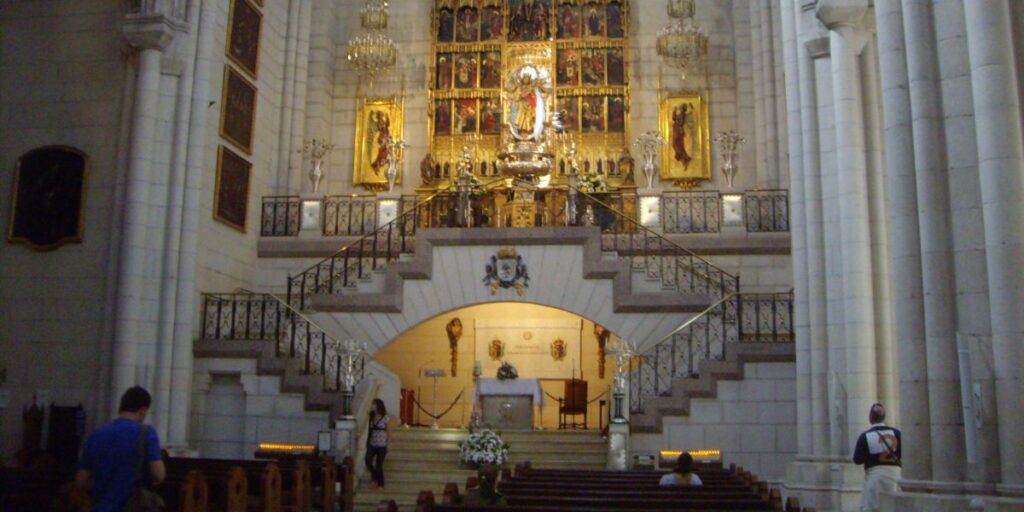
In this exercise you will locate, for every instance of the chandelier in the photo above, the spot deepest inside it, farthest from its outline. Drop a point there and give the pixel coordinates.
(682, 43)
(372, 52)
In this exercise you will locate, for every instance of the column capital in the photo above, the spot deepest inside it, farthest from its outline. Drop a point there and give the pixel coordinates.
(149, 32)
(839, 13)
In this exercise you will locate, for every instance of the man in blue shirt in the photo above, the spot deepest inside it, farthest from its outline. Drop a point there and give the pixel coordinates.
(878, 449)
(110, 460)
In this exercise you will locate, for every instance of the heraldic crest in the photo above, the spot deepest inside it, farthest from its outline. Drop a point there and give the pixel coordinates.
(507, 270)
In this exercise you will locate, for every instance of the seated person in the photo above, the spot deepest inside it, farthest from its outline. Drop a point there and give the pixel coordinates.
(682, 475)
(486, 494)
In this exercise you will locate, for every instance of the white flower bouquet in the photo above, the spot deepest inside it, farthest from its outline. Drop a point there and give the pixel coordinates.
(483, 447)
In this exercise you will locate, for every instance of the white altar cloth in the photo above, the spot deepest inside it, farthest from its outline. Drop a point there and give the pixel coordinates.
(526, 387)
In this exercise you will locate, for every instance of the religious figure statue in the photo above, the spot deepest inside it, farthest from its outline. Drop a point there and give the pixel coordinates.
(427, 170)
(681, 118)
(454, 330)
(379, 134)
(528, 88)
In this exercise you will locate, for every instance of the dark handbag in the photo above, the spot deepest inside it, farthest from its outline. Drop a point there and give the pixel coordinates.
(143, 499)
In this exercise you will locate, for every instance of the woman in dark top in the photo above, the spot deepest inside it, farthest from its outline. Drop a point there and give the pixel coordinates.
(377, 442)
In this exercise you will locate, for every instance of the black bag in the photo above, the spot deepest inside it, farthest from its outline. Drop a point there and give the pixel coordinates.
(143, 499)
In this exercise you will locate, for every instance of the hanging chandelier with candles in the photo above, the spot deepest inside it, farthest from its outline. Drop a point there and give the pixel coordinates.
(373, 52)
(683, 43)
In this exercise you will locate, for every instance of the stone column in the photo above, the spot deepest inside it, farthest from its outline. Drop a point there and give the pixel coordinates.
(997, 112)
(757, 63)
(133, 326)
(904, 242)
(798, 223)
(769, 97)
(946, 418)
(846, 39)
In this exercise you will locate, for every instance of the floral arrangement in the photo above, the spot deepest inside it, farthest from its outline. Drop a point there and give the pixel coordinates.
(591, 183)
(507, 372)
(483, 447)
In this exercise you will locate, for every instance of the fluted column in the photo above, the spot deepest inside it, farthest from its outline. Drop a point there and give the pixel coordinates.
(997, 112)
(757, 63)
(905, 244)
(769, 96)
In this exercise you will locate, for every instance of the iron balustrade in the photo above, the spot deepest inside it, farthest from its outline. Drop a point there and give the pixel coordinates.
(351, 215)
(693, 211)
(280, 216)
(264, 317)
(743, 317)
(766, 211)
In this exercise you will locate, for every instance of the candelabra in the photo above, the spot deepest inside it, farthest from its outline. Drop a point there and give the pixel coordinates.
(372, 52)
(683, 43)
(729, 146)
(623, 352)
(352, 353)
(649, 143)
(396, 147)
(317, 151)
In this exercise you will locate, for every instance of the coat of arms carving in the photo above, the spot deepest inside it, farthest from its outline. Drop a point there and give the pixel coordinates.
(558, 349)
(507, 270)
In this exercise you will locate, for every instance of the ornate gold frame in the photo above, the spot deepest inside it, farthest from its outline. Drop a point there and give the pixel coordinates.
(81, 206)
(362, 174)
(700, 165)
(254, 72)
(226, 96)
(221, 149)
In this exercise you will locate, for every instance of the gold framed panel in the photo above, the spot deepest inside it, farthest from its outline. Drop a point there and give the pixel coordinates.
(231, 193)
(683, 120)
(377, 119)
(245, 24)
(238, 110)
(48, 197)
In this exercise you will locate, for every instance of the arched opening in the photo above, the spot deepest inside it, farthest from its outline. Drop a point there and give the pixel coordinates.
(541, 342)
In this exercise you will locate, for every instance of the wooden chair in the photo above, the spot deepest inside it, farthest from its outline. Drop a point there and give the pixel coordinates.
(574, 403)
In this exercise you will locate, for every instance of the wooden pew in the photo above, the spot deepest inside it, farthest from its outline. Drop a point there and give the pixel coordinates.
(34, 489)
(186, 492)
(237, 485)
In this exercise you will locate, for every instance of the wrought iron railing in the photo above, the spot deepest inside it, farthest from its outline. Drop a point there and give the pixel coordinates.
(693, 211)
(757, 317)
(280, 216)
(247, 316)
(349, 215)
(766, 211)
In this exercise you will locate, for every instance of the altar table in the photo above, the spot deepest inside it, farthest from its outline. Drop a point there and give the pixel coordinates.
(508, 404)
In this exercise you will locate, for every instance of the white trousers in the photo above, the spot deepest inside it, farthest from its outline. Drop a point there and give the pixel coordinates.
(878, 479)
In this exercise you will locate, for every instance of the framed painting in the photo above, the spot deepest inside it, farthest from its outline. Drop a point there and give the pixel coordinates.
(243, 40)
(683, 119)
(231, 193)
(377, 121)
(238, 110)
(46, 206)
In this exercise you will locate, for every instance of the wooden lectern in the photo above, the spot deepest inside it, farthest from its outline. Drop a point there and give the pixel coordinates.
(573, 404)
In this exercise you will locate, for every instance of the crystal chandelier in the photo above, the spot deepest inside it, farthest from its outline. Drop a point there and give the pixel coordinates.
(682, 43)
(372, 52)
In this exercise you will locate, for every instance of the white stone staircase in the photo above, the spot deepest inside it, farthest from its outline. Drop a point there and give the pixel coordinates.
(426, 459)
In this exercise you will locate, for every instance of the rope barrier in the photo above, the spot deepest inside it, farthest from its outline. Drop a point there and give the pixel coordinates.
(446, 411)
(553, 397)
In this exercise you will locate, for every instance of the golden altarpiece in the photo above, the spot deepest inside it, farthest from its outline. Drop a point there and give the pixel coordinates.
(478, 46)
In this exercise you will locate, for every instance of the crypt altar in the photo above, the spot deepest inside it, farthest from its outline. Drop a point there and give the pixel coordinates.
(508, 404)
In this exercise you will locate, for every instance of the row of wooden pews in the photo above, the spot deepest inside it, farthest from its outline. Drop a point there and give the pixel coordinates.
(287, 484)
(549, 490)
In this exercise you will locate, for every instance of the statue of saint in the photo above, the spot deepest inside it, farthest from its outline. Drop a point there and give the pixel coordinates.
(526, 89)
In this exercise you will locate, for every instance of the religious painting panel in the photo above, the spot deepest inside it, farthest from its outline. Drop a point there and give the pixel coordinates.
(593, 114)
(445, 26)
(568, 64)
(243, 40)
(569, 107)
(593, 66)
(238, 110)
(684, 124)
(616, 27)
(616, 67)
(231, 193)
(442, 117)
(528, 20)
(490, 116)
(465, 115)
(616, 114)
(467, 26)
(491, 22)
(46, 208)
(490, 70)
(568, 21)
(444, 70)
(593, 20)
(377, 121)
(466, 65)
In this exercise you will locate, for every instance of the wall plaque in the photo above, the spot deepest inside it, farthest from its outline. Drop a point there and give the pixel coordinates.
(238, 110)
(243, 41)
(231, 196)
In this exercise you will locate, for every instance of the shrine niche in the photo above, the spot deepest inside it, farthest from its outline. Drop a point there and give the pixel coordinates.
(477, 45)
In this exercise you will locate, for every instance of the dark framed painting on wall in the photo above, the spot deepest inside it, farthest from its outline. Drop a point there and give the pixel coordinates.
(46, 205)
(238, 110)
(243, 41)
(231, 194)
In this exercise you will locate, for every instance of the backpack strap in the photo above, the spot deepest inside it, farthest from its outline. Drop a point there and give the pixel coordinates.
(140, 451)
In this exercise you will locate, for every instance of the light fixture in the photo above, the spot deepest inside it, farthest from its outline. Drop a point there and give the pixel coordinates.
(682, 43)
(372, 52)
